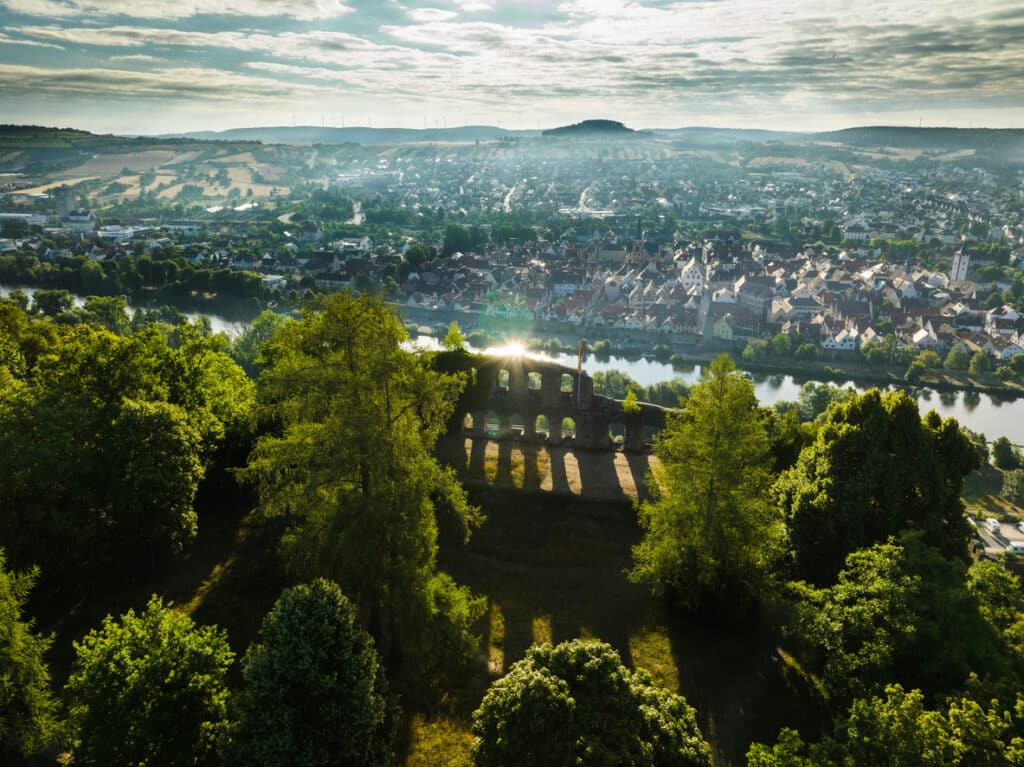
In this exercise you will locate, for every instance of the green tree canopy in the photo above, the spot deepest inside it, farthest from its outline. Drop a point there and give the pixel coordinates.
(1013, 486)
(1005, 455)
(577, 704)
(149, 689)
(904, 613)
(28, 711)
(247, 349)
(105, 439)
(454, 341)
(874, 469)
(711, 532)
(897, 729)
(314, 687)
(980, 363)
(957, 359)
(351, 467)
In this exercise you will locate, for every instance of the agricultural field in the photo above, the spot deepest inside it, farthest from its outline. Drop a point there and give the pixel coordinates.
(112, 170)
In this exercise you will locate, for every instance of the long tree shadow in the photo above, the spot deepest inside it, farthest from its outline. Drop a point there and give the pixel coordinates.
(555, 567)
(736, 678)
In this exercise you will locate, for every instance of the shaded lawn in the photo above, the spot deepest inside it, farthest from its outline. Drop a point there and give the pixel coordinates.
(554, 568)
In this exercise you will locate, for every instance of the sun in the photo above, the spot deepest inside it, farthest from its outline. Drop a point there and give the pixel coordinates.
(511, 348)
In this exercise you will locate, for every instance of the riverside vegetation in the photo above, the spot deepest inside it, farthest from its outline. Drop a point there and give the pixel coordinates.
(304, 559)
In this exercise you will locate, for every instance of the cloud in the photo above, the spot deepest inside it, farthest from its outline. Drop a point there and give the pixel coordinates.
(7, 40)
(426, 15)
(176, 83)
(178, 9)
(137, 57)
(671, 57)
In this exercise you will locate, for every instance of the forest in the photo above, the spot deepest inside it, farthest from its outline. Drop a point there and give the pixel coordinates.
(837, 523)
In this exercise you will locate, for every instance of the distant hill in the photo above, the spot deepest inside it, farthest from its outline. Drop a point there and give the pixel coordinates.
(598, 128)
(926, 138)
(705, 136)
(310, 134)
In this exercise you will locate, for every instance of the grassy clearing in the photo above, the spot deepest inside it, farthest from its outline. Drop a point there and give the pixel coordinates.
(981, 494)
(553, 568)
(438, 741)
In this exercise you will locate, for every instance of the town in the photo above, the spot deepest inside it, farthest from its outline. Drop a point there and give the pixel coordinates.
(777, 249)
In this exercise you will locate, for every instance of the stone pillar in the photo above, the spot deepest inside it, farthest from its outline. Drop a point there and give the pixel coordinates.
(634, 439)
(554, 430)
(584, 392)
(551, 387)
(479, 424)
(504, 426)
(529, 428)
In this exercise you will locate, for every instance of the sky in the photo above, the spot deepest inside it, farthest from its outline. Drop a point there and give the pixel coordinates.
(160, 66)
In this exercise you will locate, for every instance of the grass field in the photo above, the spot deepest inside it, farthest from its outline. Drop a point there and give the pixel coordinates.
(553, 568)
(981, 494)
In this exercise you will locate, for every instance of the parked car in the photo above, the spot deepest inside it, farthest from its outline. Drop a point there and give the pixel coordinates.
(994, 526)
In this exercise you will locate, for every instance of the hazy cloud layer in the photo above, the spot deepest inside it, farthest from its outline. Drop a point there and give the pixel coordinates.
(740, 62)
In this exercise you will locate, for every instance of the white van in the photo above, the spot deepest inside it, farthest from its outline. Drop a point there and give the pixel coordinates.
(994, 526)
(1016, 547)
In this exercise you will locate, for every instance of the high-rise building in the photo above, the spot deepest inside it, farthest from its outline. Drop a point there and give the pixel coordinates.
(65, 200)
(958, 271)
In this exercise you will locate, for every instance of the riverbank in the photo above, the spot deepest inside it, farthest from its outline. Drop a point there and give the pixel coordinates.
(843, 370)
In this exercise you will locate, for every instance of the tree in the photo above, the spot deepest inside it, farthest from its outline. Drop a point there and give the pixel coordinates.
(711, 533)
(28, 711)
(350, 466)
(577, 704)
(149, 689)
(957, 359)
(247, 349)
(630, 405)
(909, 473)
(900, 611)
(105, 441)
(456, 239)
(814, 398)
(1005, 455)
(781, 345)
(110, 312)
(998, 592)
(314, 687)
(1013, 486)
(980, 364)
(51, 302)
(855, 625)
(897, 730)
(454, 341)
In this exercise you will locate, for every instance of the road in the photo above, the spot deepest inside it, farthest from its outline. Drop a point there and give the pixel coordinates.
(996, 542)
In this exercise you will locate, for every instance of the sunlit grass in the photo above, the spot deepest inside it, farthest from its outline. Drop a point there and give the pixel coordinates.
(439, 741)
(651, 649)
(541, 628)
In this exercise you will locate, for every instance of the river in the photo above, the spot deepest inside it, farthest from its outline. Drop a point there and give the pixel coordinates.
(219, 324)
(993, 415)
